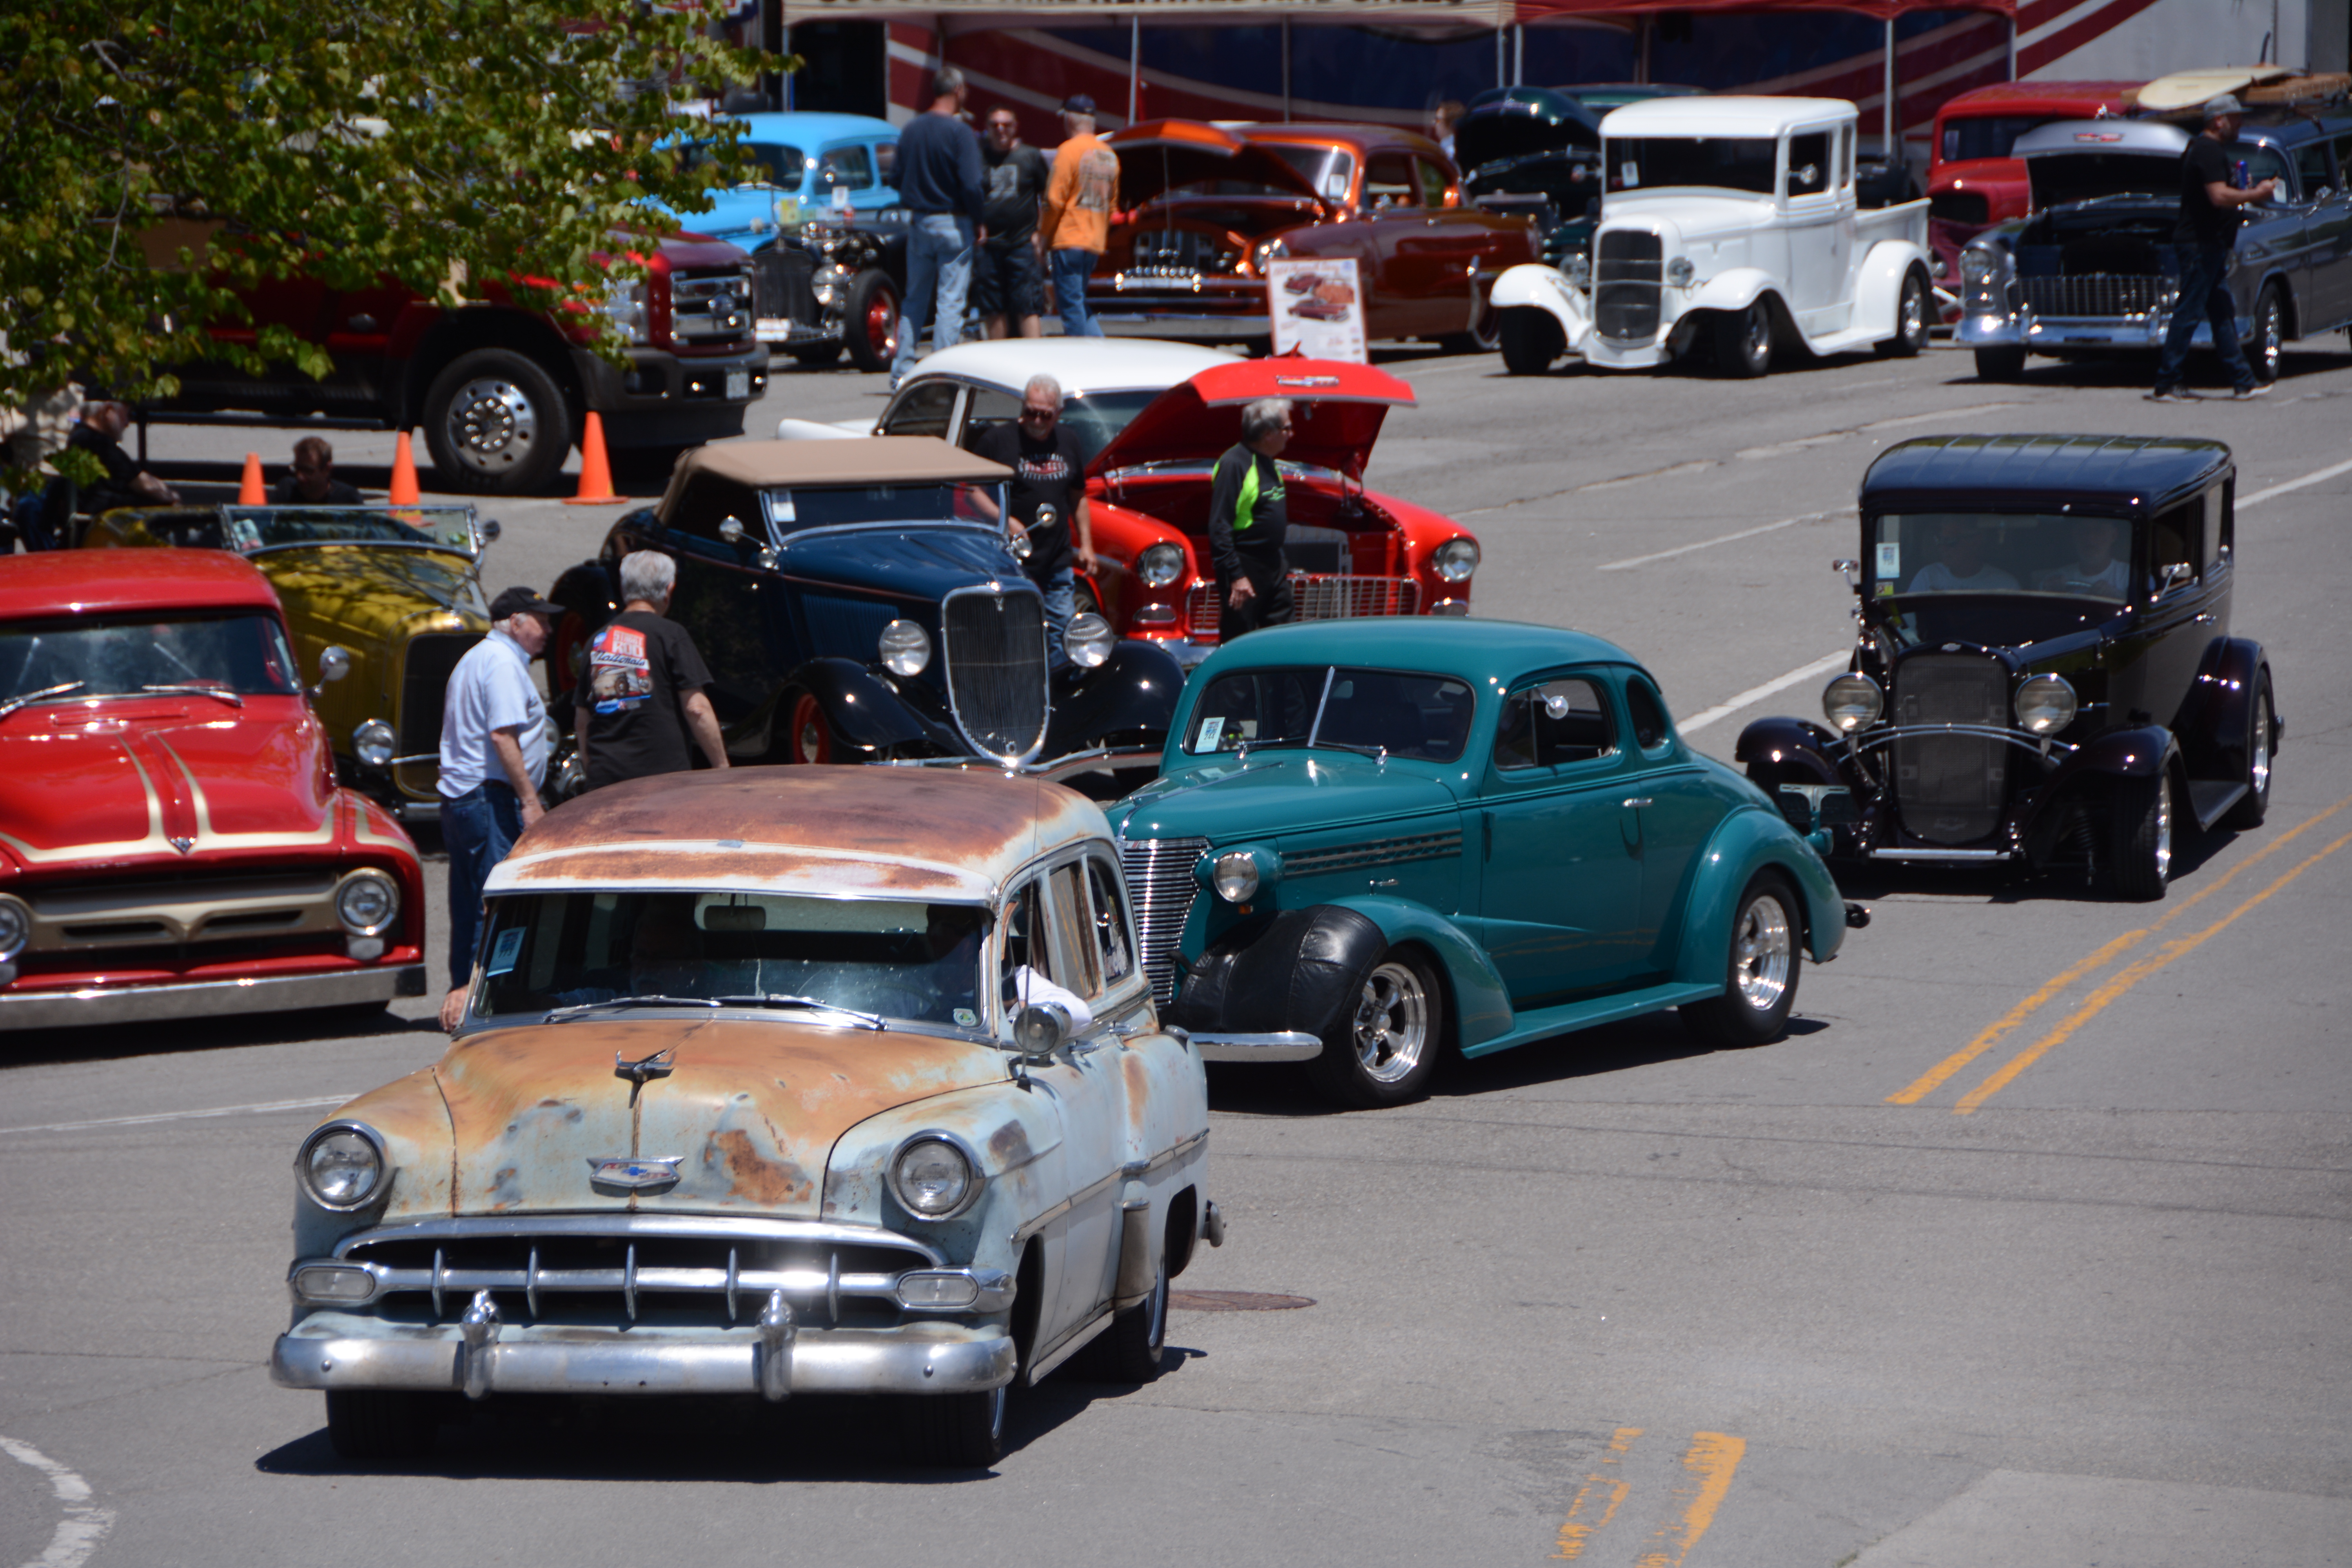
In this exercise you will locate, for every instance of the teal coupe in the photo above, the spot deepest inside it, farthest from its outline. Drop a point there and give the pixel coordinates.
(1372, 839)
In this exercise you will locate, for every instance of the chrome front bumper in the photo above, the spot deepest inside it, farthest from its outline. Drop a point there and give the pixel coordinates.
(207, 999)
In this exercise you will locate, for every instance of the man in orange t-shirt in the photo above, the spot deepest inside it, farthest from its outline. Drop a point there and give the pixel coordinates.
(1075, 227)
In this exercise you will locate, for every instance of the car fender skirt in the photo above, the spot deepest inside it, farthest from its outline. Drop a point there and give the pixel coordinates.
(1746, 843)
(862, 708)
(1296, 970)
(1545, 288)
(1132, 692)
(2215, 721)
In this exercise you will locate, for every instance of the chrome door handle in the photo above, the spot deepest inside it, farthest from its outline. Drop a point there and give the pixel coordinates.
(1641, 800)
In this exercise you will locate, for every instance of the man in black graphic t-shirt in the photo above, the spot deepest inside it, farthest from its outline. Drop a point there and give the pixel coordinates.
(641, 698)
(1008, 283)
(1049, 469)
(2205, 234)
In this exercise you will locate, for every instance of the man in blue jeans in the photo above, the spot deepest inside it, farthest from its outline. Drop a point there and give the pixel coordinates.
(940, 185)
(2204, 237)
(493, 760)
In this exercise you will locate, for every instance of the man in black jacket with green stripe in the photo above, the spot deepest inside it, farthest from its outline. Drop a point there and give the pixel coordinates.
(1249, 516)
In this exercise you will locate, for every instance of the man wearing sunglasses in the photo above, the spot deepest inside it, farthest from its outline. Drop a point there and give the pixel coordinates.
(1049, 469)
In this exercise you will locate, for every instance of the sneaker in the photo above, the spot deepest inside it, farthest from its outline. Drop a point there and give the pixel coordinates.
(2260, 389)
(2169, 395)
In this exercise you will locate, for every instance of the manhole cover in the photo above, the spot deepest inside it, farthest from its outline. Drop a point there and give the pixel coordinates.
(1234, 1301)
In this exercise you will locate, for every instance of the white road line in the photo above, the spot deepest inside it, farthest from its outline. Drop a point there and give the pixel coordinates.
(1723, 539)
(85, 1523)
(314, 1103)
(1821, 666)
(2260, 496)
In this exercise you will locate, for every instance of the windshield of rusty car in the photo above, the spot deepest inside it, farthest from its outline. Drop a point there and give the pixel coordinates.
(801, 507)
(128, 654)
(2000, 553)
(1719, 162)
(918, 962)
(1398, 712)
(256, 528)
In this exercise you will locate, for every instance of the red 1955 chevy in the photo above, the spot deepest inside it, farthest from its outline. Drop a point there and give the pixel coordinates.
(173, 843)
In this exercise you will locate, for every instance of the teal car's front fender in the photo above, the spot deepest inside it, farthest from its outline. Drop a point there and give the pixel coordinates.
(1745, 843)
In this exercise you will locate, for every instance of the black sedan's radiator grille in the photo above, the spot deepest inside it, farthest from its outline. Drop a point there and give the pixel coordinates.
(1159, 880)
(425, 685)
(1950, 787)
(2096, 294)
(782, 285)
(994, 647)
(1627, 271)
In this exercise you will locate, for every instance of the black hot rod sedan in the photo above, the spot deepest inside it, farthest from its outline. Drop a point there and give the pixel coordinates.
(855, 604)
(2044, 673)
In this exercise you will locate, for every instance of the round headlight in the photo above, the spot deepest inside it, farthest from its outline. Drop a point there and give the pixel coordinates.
(906, 648)
(1580, 270)
(1975, 267)
(931, 1177)
(1088, 639)
(15, 927)
(1160, 564)
(372, 742)
(1679, 271)
(1456, 559)
(341, 1165)
(366, 902)
(2045, 705)
(1852, 701)
(1237, 877)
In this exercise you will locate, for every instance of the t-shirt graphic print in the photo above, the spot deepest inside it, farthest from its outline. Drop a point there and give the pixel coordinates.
(620, 676)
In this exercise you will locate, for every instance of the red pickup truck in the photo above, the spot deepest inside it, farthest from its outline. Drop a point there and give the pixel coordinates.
(502, 391)
(1972, 182)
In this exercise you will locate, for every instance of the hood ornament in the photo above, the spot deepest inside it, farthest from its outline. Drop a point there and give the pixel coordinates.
(619, 1176)
(182, 844)
(661, 1064)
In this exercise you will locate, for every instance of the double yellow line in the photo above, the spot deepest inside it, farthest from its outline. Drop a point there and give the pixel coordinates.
(2123, 980)
(1712, 1459)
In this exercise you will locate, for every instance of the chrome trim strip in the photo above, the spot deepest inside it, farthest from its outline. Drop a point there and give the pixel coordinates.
(1941, 855)
(207, 999)
(1871, 739)
(1291, 1046)
(707, 1227)
(1382, 852)
(1070, 1344)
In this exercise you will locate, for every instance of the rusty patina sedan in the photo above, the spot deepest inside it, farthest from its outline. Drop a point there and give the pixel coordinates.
(827, 1081)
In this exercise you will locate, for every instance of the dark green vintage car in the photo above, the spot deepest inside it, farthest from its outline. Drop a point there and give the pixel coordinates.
(1464, 834)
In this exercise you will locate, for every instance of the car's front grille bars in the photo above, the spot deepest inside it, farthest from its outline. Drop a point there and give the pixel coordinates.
(1627, 273)
(782, 285)
(993, 645)
(1950, 785)
(2116, 295)
(710, 306)
(1318, 596)
(1159, 880)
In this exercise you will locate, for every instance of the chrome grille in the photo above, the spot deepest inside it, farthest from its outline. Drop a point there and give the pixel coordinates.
(1159, 880)
(1380, 852)
(2113, 294)
(103, 914)
(1949, 788)
(710, 306)
(993, 647)
(1318, 597)
(425, 685)
(784, 291)
(1627, 271)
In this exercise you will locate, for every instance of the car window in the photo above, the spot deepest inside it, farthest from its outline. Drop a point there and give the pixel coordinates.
(886, 163)
(2311, 164)
(1397, 713)
(776, 163)
(988, 409)
(2221, 518)
(1329, 170)
(2262, 163)
(1558, 722)
(1719, 162)
(1433, 182)
(1114, 939)
(2080, 557)
(2173, 537)
(1076, 961)
(709, 500)
(923, 409)
(1652, 729)
(1388, 182)
(846, 168)
(125, 655)
(1987, 135)
(1810, 170)
(1253, 708)
(1027, 943)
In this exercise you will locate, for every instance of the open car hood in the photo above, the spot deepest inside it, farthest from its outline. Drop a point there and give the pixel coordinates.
(1530, 121)
(1160, 156)
(1340, 409)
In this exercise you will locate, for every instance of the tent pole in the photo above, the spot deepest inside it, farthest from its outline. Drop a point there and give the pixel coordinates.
(1641, 58)
(1285, 70)
(1134, 65)
(1519, 54)
(2012, 45)
(1502, 75)
(1890, 122)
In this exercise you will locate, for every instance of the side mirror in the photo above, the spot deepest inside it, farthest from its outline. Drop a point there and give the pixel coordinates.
(730, 529)
(2180, 574)
(1040, 1029)
(1850, 568)
(490, 532)
(334, 663)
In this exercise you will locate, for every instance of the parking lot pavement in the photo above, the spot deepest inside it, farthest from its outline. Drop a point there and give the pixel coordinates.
(2028, 1245)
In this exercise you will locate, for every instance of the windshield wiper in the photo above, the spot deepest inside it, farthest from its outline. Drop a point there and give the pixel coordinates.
(1381, 753)
(43, 695)
(560, 1014)
(231, 698)
(780, 999)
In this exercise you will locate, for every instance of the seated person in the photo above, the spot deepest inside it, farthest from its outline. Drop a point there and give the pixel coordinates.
(2095, 572)
(1962, 568)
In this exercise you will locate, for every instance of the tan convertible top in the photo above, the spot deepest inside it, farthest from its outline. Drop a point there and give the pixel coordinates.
(862, 460)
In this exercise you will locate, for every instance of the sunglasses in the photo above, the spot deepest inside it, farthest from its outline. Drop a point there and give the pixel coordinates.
(1040, 414)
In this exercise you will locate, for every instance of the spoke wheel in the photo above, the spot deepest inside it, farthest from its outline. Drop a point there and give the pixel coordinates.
(871, 322)
(1910, 319)
(1743, 341)
(1767, 955)
(2139, 825)
(2256, 805)
(810, 737)
(1384, 1050)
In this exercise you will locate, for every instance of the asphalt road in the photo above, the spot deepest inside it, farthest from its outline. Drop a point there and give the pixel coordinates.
(2028, 1246)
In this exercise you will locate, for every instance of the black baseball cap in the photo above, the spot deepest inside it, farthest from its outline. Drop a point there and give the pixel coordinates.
(1078, 103)
(515, 601)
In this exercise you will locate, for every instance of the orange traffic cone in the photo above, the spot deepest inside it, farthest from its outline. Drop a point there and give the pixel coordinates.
(595, 473)
(250, 491)
(403, 492)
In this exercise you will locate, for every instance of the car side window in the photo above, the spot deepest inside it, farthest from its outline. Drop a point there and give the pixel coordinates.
(2173, 540)
(886, 163)
(2311, 167)
(709, 501)
(988, 409)
(1114, 944)
(1024, 944)
(1809, 163)
(1388, 183)
(844, 168)
(1076, 961)
(1651, 726)
(923, 409)
(1433, 182)
(1558, 722)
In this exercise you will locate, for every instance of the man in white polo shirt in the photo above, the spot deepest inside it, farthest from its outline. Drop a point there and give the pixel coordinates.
(493, 759)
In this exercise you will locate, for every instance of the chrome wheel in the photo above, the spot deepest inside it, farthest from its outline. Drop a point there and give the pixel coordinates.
(1762, 950)
(2163, 834)
(491, 425)
(2270, 335)
(1394, 1023)
(2258, 768)
(1759, 333)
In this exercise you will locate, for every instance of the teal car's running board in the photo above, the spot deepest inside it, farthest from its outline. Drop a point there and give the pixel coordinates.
(1560, 1020)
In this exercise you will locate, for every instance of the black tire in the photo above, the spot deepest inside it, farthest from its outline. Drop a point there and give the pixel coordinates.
(869, 322)
(497, 424)
(2001, 362)
(379, 1423)
(1743, 341)
(2250, 811)
(1384, 1050)
(817, 356)
(956, 1431)
(1530, 339)
(2264, 353)
(1910, 319)
(1130, 1348)
(1765, 961)
(2139, 839)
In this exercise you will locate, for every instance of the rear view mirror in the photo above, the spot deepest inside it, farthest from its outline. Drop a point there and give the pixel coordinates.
(731, 530)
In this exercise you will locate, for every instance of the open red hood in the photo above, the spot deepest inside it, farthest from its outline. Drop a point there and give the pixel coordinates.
(1160, 156)
(1339, 409)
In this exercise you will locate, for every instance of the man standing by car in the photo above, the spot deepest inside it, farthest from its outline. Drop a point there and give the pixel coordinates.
(645, 685)
(940, 185)
(313, 481)
(1249, 516)
(493, 760)
(1074, 228)
(2206, 234)
(1049, 469)
(1008, 282)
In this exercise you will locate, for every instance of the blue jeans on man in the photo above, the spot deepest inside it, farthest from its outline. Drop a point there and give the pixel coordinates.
(1061, 604)
(939, 260)
(1071, 270)
(477, 827)
(2204, 293)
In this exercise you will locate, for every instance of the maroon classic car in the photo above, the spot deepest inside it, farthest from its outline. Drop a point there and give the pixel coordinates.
(1207, 208)
(172, 842)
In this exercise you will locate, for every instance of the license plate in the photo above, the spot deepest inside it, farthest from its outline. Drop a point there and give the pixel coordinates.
(738, 385)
